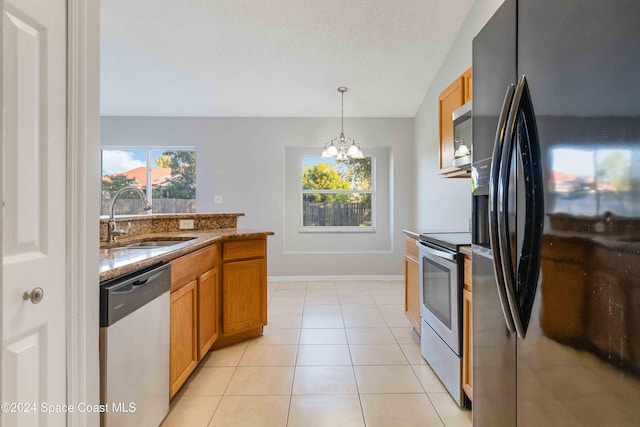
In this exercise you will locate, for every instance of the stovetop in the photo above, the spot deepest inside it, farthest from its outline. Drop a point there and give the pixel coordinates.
(449, 240)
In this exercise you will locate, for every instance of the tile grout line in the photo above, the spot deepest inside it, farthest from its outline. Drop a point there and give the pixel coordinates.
(295, 362)
(353, 369)
(235, 370)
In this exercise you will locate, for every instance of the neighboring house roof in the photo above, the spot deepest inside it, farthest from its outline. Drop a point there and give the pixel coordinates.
(159, 176)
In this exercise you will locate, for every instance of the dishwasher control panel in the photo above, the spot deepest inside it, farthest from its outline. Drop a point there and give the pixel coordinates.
(125, 294)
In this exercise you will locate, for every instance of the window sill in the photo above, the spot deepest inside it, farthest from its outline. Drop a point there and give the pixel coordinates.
(337, 230)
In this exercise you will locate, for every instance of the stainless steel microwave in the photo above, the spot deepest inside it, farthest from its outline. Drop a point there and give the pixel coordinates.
(462, 142)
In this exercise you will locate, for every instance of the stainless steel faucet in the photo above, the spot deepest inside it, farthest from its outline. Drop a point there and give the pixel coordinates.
(113, 231)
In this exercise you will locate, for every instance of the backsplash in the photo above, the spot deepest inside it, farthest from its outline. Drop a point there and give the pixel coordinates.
(162, 223)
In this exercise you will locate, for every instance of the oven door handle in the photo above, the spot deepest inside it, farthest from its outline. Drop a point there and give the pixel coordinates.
(436, 252)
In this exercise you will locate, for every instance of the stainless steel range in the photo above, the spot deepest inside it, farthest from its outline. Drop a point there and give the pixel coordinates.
(441, 282)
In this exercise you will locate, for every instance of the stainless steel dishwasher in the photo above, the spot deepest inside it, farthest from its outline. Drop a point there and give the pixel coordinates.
(134, 348)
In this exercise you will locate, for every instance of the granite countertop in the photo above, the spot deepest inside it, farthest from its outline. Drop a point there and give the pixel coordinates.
(466, 250)
(116, 260)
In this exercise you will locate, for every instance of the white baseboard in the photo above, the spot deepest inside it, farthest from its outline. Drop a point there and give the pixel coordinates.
(332, 278)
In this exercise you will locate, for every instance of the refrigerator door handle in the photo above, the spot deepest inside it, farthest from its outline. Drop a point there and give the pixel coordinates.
(522, 122)
(530, 258)
(493, 206)
(503, 214)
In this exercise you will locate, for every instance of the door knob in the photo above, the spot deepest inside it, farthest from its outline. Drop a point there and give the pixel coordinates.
(35, 295)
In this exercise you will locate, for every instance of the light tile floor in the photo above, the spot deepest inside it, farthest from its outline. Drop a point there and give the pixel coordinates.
(334, 354)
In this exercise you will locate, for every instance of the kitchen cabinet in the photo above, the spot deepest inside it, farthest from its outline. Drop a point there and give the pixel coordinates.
(468, 85)
(467, 331)
(244, 288)
(412, 284)
(183, 353)
(208, 311)
(194, 312)
(454, 96)
(213, 306)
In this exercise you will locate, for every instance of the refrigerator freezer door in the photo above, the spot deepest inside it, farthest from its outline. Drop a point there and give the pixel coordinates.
(494, 350)
(494, 356)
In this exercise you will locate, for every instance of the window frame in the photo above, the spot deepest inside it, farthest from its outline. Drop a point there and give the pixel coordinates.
(149, 159)
(337, 229)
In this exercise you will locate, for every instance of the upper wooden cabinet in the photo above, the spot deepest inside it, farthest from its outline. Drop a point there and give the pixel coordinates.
(454, 96)
(468, 85)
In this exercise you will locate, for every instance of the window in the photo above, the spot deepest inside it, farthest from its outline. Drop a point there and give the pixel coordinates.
(337, 195)
(166, 175)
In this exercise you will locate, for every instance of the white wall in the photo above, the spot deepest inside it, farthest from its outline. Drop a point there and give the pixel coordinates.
(445, 204)
(242, 159)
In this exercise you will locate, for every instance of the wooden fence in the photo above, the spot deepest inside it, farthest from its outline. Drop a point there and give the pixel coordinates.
(336, 214)
(134, 206)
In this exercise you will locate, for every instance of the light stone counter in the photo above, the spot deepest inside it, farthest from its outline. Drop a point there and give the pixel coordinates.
(116, 261)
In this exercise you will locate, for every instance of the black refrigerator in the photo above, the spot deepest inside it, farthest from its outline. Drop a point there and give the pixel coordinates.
(556, 214)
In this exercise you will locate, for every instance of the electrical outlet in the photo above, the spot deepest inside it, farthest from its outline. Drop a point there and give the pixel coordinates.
(217, 200)
(186, 224)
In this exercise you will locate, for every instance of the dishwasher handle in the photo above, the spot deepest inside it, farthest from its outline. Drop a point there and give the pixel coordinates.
(129, 286)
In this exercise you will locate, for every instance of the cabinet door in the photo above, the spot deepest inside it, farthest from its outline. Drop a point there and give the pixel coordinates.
(467, 344)
(468, 85)
(450, 99)
(244, 296)
(208, 311)
(412, 291)
(184, 324)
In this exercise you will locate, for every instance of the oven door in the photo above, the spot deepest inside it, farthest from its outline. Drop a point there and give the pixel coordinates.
(440, 293)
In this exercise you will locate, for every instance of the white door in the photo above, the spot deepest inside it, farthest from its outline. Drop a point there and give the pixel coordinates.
(34, 212)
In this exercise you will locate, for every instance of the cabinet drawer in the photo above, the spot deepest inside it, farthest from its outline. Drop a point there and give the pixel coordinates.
(411, 248)
(243, 249)
(190, 266)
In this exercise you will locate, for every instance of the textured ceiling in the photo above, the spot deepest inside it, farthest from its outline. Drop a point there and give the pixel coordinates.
(272, 58)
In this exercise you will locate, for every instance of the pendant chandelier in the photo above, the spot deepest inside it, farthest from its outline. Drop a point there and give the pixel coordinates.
(342, 148)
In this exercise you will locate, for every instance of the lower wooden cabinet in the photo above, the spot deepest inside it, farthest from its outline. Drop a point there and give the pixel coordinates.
(213, 306)
(467, 331)
(244, 289)
(244, 296)
(412, 284)
(208, 311)
(184, 340)
(195, 312)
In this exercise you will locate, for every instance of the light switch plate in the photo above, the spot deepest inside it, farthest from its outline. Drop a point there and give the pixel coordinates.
(186, 224)
(217, 200)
